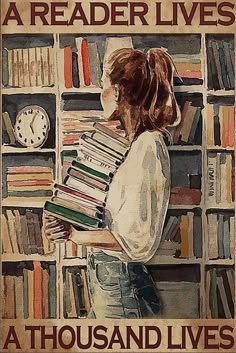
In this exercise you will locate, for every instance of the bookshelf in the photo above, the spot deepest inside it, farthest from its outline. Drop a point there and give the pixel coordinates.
(189, 163)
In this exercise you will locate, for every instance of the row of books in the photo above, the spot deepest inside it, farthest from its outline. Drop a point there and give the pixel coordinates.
(185, 132)
(182, 236)
(75, 293)
(220, 287)
(22, 234)
(187, 65)
(81, 198)
(83, 63)
(74, 250)
(220, 125)
(220, 60)
(29, 180)
(32, 291)
(83, 66)
(220, 178)
(28, 67)
(221, 231)
(74, 124)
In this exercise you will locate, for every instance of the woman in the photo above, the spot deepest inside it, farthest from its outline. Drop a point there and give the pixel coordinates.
(137, 90)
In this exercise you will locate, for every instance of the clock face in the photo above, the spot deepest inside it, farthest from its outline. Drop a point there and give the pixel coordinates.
(32, 126)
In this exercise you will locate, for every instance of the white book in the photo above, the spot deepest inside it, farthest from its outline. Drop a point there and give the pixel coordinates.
(15, 72)
(96, 162)
(98, 152)
(218, 177)
(38, 67)
(10, 67)
(208, 281)
(78, 42)
(89, 140)
(212, 227)
(223, 177)
(101, 158)
(85, 188)
(19, 290)
(228, 166)
(211, 178)
(114, 145)
(76, 199)
(45, 66)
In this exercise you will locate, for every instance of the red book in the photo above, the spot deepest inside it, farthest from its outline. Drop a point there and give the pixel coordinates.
(231, 127)
(38, 312)
(85, 62)
(73, 192)
(68, 67)
(185, 196)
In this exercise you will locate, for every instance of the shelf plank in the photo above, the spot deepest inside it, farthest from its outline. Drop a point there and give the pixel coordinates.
(28, 90)
(89, 89)
(220, 206)
(190, 89)
(169, 260)
(37, 202)
(225, 262)
(221, 93)
(73, 261)
(23, 257)
(219, 148)
(183, 207)
(11, 149)
(185, 148)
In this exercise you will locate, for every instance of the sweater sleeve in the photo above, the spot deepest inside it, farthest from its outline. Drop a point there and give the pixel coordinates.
(142, 199)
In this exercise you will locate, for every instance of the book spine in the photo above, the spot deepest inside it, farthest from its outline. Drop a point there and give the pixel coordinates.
(37, 290)
(85, 62)
(5, 67)
(211, 178)
(68, 67)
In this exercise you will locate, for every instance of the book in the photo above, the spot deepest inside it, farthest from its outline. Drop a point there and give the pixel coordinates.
(68, 67)
(8, 128)
(87, 179)
(73, 216)
(85, 62)
(212, 226)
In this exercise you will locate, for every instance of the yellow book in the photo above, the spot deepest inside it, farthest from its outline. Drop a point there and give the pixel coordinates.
(38, 67)
(12, 231)
(31, 294)
(183, 66)
(38, 176)
(30, 188)
(32, 67)
(184, 228)
(6, 239)
(20, 67)
(26, 72)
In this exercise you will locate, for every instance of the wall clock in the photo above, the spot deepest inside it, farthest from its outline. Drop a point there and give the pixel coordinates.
(32, 126)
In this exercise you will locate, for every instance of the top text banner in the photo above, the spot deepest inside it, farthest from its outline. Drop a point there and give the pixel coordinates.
(121, 16)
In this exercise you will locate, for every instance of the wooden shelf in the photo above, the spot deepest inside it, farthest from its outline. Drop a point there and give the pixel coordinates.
(183, 207)
(23, 257)
(89, 89)
(170, 260)
(189, 89)
(221, 206)
(73, 261)
(37, 202)
(29, 90)
(219, 148)
(185, 148)
(11, 149)
(224, 262)
(221, 93)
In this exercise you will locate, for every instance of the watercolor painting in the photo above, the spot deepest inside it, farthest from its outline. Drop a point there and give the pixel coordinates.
(118, 176)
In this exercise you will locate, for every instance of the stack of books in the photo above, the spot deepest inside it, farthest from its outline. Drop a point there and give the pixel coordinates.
(21, 233)
(220, 178)
(75, 296)
(32, 289)
(82, 197)
(221, 230)
(29, 181)
(220, 293)
(221, 71)
(182, 236)
(185, 132)
(220, 125)
(29, 67)
(188, 66)
(74, 124)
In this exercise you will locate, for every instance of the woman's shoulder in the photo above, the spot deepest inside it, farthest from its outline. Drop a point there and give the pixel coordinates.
(149, 138)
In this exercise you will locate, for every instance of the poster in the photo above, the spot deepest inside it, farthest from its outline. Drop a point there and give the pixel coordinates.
(47, 104)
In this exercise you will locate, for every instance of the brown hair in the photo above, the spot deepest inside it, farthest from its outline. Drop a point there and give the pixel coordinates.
(145, 84)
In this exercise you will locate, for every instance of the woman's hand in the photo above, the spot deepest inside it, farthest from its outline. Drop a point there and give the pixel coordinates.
(55, 229)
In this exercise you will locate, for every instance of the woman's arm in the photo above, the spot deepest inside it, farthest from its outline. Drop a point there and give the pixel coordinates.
(103, 239)
(58, 231)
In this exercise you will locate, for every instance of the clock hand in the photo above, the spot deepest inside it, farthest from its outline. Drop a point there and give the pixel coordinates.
(32, 122)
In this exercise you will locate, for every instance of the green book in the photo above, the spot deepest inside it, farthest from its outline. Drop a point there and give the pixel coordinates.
(72, 215)
(91, 171)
